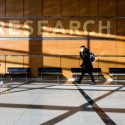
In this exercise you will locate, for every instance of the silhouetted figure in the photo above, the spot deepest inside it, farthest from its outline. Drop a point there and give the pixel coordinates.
(86, 64)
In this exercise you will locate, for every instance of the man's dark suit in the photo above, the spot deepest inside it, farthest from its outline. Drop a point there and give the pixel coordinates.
(86, 64)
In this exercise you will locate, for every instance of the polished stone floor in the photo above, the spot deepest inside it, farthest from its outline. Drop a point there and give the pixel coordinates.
(50, 103)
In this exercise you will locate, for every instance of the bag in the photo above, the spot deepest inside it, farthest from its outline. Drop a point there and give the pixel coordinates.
(92, 57)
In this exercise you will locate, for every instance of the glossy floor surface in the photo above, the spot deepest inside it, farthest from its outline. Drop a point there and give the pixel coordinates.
(50, 103)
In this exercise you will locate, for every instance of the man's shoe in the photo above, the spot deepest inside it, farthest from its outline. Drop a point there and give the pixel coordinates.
(1, 83)
(93, 83)
(77, 81)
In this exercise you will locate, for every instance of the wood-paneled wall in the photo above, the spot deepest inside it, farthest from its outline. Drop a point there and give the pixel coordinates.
(62, 52)
(62, 8)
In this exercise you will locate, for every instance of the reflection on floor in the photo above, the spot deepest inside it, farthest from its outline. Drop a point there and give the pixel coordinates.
(38, 103)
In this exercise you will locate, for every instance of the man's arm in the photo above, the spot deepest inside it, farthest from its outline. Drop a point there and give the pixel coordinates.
(81, 54)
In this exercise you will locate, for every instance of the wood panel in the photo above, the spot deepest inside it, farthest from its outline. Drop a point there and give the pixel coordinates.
(85, 25)
(33, 62)
(93, 28)
(107, 7)
(103, 47)
(120, 8)
(84, 7)
(35, 47)
(32, 7)
(107, 28)
(51, 7)
(65, 27)
(120, 37)
(26, 61)
(67, 63)
(62, 47)
(93, 7)
(70, 8)
(14, 7)
(14, 47)
(96, 62)
(61, 28)
(120, 29)
(72, 27)
(2, 7)
(120, 48)
(104, 28)
(121, 62)
(88, 7)
(107, 62)
(14, 61)
(13, 28)
(29, 28)
(51, 61)
(46, 28)
(2, 65)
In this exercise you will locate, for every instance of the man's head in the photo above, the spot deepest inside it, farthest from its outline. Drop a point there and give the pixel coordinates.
(82, 48)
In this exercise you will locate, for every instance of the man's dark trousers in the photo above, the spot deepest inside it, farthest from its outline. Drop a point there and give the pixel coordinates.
(89, 71)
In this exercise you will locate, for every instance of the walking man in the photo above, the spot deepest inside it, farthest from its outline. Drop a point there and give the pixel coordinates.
(86, 64)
